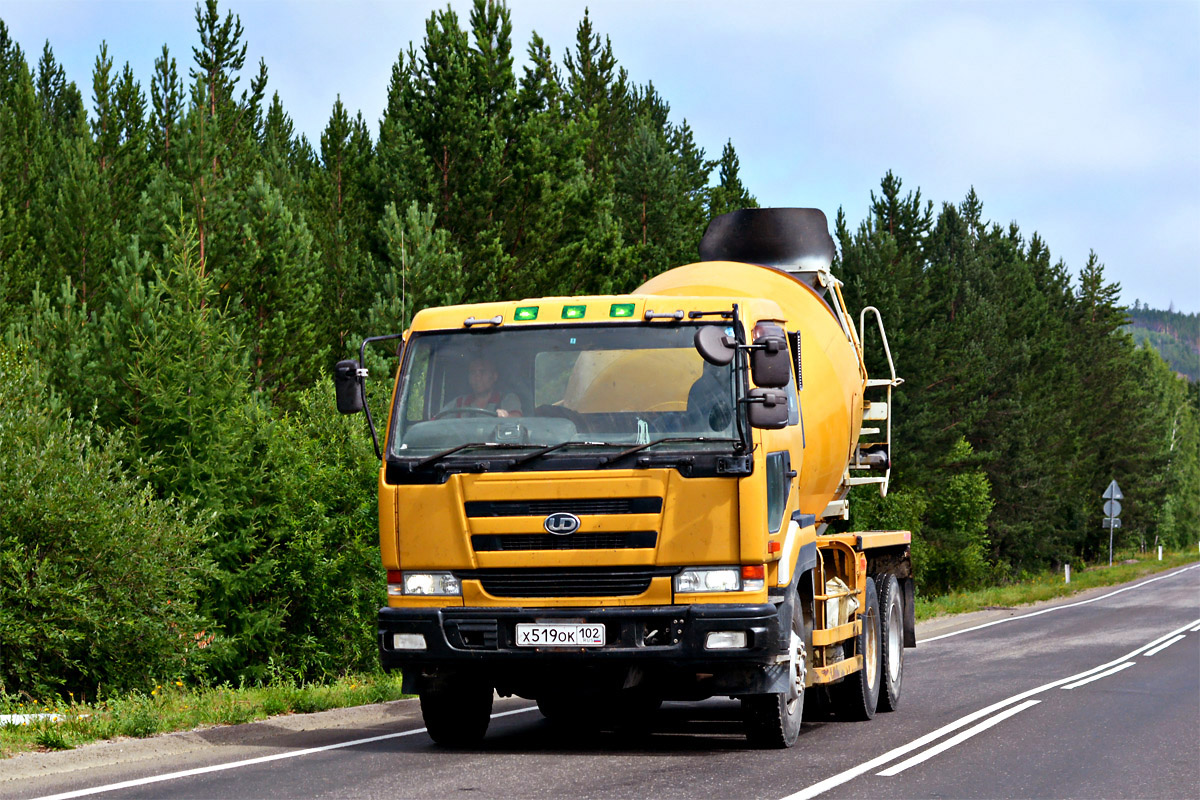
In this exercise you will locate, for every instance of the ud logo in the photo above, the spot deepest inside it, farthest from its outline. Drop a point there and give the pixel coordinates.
(561, 524)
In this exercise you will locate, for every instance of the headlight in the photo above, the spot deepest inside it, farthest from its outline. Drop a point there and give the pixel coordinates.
(709, 579)
(431, 583)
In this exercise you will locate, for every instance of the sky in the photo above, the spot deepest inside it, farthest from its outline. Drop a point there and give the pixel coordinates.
(1077, 120)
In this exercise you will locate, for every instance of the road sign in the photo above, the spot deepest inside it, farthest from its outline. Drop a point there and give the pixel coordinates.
(1111, 508)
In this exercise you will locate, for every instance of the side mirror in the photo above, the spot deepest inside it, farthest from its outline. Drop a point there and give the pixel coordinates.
(348, 386)
(714, 346)
(769, 362)
(768, 408)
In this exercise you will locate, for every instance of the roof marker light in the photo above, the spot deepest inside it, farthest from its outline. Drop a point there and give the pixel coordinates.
(526, 313)
(621, 310)
(573, 312)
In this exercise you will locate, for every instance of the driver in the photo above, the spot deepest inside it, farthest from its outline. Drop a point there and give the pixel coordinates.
(708, 400)
(483, 376)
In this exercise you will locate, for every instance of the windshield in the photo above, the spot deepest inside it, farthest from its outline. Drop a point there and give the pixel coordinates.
(573, 387)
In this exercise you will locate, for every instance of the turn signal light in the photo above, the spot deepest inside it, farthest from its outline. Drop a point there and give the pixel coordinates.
(395, 582)
(753, 578)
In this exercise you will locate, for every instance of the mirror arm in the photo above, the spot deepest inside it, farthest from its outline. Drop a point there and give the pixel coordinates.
(741, 369)
(362, 383)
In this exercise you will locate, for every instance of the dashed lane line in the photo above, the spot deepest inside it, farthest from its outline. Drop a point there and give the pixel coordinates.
(957, 739)
(1104, 674)
(1164, 645)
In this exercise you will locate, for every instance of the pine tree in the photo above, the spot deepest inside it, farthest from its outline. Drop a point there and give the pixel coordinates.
(166, 110)
(729, 194)
(24, 156)
(275, 288)
(341, 197)
(423, 269)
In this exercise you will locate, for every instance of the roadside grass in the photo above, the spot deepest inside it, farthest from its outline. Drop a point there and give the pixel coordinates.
(172, 706)
(1049, 585)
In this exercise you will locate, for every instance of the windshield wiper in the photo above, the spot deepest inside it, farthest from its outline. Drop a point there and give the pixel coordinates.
(543, 451)
(459, 448)
(638, 448)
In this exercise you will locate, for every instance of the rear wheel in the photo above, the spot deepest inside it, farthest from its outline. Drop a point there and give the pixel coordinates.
(857, 696)
(457, 712)
(773, 720)
(891, 620)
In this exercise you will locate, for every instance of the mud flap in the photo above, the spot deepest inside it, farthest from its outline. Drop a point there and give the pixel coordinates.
(910, 612)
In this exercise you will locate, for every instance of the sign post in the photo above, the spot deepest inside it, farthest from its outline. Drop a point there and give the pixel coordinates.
(1112, 507)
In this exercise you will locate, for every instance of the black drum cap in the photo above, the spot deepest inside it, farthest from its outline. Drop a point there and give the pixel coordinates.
(786, 238)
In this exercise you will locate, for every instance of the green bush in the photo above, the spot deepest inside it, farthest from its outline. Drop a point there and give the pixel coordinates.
(953, 554)
(319, 474)
(97, 576)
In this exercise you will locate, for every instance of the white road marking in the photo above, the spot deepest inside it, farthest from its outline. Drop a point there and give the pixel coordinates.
(831, 782)
(1056, 608)
(1194, 630)
(1104, 674)
(958, 739)
(1165, 645)
(187, 773)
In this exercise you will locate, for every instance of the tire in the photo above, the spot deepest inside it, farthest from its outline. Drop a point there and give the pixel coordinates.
(857, 696)
(773, 720)
(891, 639)
(457, 713)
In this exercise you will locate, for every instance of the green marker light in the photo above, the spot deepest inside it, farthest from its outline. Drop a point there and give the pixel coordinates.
(526, 313)
(573, 312)
(621, 310)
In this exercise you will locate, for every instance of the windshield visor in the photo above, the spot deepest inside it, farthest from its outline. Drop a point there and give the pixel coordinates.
(603, 385)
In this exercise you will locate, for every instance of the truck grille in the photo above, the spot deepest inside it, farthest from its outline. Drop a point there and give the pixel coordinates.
(612, 540)
(558, 582)
(542, 508)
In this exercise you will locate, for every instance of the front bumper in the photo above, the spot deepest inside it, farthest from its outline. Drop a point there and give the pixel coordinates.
(661, 644)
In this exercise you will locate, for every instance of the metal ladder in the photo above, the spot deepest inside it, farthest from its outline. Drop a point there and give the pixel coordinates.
(873, 451)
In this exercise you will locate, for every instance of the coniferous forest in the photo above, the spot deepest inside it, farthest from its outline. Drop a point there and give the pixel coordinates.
(179, 270)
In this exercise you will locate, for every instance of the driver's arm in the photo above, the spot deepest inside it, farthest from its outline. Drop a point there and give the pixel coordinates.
(510, 406)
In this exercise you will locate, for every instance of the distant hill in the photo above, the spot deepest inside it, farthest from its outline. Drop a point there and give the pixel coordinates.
(1175, 336)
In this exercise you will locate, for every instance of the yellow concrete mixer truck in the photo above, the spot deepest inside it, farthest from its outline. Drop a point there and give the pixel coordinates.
(600, 503)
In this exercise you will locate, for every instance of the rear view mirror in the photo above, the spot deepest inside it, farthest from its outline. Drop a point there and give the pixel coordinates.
(348, 386)
(768, 408)
(769, 362)
(714, 346)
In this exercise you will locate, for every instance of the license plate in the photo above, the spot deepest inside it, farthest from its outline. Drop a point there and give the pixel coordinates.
(560, 634)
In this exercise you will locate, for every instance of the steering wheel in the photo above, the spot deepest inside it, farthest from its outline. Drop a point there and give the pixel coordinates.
(470, 410)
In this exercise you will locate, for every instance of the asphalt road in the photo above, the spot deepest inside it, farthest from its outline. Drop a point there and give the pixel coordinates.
(1095, 696)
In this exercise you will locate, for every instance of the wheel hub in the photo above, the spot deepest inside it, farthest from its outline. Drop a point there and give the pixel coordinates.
(797, 668)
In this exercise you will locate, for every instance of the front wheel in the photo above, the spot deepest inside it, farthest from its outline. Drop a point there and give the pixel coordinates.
(857, 697)
(457, 712)
(773, 720)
